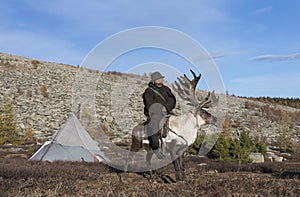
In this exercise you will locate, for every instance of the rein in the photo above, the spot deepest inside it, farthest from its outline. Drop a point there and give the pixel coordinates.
(178, 135)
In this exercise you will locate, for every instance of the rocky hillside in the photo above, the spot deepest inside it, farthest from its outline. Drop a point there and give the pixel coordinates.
(43, 97)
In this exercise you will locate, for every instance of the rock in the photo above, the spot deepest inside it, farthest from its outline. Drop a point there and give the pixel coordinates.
(16, 156)
(278, 159)
(22, 126)
(257, 157)
(273, 157)
(15, 150)
(212, 172)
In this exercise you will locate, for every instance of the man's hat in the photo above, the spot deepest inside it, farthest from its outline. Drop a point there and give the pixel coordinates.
(155, 76)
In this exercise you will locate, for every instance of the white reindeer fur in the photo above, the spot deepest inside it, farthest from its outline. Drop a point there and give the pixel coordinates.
(185, 126)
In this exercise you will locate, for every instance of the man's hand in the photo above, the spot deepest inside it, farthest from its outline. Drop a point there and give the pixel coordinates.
(164, 109)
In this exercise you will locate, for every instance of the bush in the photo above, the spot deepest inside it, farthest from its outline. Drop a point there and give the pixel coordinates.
(29, 133)
(8, 126)
(7, 64)
(35, 64)
(261, 147)
(230, 149)
(195, 147)
(45, 91)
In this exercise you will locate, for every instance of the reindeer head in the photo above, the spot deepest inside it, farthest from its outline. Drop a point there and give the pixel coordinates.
(186, 89)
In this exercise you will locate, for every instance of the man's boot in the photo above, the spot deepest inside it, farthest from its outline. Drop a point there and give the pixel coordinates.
(158, 152)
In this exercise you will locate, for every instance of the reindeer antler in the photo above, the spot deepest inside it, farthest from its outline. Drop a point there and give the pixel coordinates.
(194, 82)
(209, 100)
(186, 88)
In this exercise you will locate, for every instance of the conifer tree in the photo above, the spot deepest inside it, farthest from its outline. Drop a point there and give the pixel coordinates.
(8, 127)
(221, 148)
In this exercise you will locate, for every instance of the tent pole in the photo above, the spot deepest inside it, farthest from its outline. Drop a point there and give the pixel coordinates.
(46, 151)
(78, 111)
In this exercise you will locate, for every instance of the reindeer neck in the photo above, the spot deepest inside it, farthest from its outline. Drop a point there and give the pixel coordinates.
(185, 125)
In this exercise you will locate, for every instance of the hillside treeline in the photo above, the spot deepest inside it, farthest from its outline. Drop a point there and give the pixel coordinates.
(291, 102)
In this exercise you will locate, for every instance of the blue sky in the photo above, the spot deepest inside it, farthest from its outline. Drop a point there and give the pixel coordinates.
(254, 43)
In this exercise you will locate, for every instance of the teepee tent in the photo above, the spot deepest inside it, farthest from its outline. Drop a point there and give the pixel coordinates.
(70, 143)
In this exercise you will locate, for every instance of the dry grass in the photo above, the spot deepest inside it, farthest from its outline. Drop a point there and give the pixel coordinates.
(273, 114)
(21, 178)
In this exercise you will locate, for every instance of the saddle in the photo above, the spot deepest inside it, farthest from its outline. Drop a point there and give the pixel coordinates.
(165, 128)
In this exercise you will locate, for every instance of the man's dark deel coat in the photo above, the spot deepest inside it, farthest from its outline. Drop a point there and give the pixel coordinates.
(150, 97)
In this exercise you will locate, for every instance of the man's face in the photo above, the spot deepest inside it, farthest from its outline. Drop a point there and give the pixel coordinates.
(159, 82)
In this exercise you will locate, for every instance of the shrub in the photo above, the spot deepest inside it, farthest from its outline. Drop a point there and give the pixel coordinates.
(261, 147)
(8, 128)
(29, 133)
(195, 147)
(227, 129)
(35, 64)
(45, 91)
(228, 148)
(284, 140)
(221, 148)
(7, 64)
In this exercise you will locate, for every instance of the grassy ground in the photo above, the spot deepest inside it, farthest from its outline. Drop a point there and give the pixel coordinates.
(19, 177)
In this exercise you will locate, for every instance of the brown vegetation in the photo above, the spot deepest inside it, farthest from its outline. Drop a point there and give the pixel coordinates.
(291, 102)
(274, 114)
(35, 64)
(116, 73)
(45, 92)
(24, 178)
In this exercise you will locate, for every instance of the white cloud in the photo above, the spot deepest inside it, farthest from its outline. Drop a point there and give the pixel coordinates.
(218, 55)
(263, 10)
(272, 57)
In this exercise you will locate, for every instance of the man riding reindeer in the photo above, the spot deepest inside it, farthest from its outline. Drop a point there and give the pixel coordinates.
(159, 101)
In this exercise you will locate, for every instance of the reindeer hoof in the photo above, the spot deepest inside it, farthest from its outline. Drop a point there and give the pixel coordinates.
(151, 180)
(123, 177)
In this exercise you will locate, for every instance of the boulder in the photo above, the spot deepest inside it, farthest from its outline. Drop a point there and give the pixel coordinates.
(257, 157)
(16, 156)
(273, 157)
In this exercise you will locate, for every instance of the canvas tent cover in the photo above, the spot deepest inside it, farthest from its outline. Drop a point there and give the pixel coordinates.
(52, 151)
(70, 143)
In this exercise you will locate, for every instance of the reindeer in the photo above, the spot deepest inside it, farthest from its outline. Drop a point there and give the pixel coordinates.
(182, 129)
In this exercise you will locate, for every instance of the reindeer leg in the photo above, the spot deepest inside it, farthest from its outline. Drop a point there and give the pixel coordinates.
(177, 170)
(182, 169)
(181, 163)
(148, 161)
(136, 145)
(175, 164)
(128, 161)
